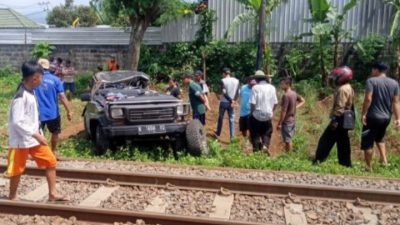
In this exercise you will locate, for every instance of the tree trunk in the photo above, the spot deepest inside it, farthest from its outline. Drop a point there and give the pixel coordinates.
(135, 42)
(204, 59)
(261, 37)
(325, 81)
(336, 53)
(398, 61)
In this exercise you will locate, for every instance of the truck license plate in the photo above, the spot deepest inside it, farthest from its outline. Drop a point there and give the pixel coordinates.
(152, 129)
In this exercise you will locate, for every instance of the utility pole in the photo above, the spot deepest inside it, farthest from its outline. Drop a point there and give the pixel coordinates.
(261, 36)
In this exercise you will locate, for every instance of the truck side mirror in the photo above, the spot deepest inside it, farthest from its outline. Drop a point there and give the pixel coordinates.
(86, 97)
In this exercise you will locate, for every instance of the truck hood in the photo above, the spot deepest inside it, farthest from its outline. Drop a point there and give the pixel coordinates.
(155, 98)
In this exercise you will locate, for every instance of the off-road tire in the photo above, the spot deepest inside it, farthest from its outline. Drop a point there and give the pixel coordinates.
(196, 138)
(87, 131)
(102, 143)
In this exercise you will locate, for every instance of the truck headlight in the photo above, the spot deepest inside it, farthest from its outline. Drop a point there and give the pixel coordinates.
(117, 113)
(182, 110)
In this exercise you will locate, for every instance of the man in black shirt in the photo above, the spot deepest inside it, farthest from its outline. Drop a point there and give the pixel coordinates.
(173, 88)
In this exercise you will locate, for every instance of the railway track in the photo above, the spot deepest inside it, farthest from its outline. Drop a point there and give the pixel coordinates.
(162, 197)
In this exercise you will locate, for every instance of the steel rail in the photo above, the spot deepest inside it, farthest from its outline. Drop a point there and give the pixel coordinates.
(240, 186)
(111, 216)
(223, 169)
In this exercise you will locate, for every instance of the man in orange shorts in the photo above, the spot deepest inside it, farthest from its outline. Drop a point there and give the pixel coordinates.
(25, 137)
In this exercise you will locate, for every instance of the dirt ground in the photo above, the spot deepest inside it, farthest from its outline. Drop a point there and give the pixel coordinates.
(211, 126)
(73, 128)
(76, 126)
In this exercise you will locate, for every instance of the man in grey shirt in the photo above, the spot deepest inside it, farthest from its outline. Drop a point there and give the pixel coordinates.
(229, 96)
(381, 99)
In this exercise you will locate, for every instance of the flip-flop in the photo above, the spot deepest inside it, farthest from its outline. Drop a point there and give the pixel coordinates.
(60, 200)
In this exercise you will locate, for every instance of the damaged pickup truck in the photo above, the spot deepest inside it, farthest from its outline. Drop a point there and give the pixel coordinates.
(121, 107)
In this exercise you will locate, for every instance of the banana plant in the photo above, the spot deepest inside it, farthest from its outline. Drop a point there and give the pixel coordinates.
(395, 27)
(252, 16)
(327, 29)
(395, 30)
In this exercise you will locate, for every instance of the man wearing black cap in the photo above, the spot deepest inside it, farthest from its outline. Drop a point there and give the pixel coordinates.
(381, 99)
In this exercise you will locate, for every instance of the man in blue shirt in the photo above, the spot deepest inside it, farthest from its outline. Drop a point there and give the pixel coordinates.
(245, 93)
(47, 94)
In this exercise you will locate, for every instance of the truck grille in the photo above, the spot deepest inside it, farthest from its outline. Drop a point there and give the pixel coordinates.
(152, 115)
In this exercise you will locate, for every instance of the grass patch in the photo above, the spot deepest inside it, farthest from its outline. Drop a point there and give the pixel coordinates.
(231, 156)
(311, 121)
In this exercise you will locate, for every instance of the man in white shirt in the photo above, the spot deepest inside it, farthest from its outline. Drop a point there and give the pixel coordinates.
(230, 94)
(263, 101)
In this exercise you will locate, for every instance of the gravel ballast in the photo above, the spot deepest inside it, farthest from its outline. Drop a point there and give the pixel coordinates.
(234, 174)
(51, 220)
(177, 202)
(26, 185)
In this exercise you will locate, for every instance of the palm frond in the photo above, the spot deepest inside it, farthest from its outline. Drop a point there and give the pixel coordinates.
(394, 3)
(395, 25)
(238, 20)
(272, 4)
(349, 6)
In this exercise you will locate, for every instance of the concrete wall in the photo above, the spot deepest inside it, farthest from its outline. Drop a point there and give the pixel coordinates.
(83, 57)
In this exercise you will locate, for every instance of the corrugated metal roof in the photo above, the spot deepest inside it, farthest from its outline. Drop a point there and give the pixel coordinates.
(11, 19)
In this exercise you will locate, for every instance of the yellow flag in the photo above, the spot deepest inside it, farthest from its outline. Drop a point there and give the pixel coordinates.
(76, 22)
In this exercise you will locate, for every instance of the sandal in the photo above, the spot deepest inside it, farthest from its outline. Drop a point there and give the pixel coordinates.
(61, 200)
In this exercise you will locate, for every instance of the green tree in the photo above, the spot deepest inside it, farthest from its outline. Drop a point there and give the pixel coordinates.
(140, 14)
(64, 15)
(395, 30)
(42, 50)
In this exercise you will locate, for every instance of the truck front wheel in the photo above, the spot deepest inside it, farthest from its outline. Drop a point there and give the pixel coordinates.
(102, 143)
(196, 138)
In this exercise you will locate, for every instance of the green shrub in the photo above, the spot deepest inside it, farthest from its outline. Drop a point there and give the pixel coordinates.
(42, 50)
(82, 81)
(176, 59)
(294, 62)
(7, 71)
(366, 51)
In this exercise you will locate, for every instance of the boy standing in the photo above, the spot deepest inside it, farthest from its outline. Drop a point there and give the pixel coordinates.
(69, 78)
(173, 88)
(197, 99)
(245, 93)
(200, 80)
(25, 137)
(381, 99)
(290, 102)
(199, 77)
(112, 64)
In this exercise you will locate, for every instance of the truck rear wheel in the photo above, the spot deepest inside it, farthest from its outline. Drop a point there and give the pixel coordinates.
(196, 138)
(102, 143)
